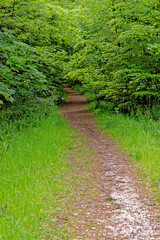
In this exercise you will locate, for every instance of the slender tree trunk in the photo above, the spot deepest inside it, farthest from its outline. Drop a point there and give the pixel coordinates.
(13, 7)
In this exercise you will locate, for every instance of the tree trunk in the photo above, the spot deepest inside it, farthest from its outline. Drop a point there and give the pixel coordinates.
(13, 7)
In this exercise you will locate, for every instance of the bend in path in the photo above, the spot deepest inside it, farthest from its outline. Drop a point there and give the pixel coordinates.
(132, 218)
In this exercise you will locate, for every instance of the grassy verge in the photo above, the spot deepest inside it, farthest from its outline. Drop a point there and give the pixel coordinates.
(140, 138)
(33, 168)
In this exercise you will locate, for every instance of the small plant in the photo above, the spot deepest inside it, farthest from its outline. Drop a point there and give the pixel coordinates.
(110, 199)
(118, 206)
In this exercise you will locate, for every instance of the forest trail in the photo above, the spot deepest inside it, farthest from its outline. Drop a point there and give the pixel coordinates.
(128, 213)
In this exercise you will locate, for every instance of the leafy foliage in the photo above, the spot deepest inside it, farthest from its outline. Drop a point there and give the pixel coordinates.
(111, 48)
(119, 55)
(35, 38)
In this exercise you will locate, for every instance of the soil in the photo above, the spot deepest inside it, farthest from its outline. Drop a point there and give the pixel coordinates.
(120, 207)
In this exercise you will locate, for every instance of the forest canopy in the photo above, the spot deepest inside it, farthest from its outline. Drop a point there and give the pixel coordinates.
(111, 48)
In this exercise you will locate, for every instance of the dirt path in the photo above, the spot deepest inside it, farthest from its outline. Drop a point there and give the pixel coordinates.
(128, 213)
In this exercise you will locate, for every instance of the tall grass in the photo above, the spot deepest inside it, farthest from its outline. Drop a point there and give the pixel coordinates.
(32, 166)
(139, 137)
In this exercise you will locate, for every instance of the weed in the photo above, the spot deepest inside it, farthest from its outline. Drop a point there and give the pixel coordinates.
(110, 199)
(118, 206)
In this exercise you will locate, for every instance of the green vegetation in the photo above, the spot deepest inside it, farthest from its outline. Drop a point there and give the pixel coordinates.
(117, 59)
(116, 66)
(33, 167)
(140, 138)
(35, 40)
(109, 50)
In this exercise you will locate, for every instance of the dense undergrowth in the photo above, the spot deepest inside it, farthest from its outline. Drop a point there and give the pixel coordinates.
(33, 164)
(36, 38)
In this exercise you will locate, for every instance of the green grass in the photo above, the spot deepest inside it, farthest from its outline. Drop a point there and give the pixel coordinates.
(140, 138)
(33, 165)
